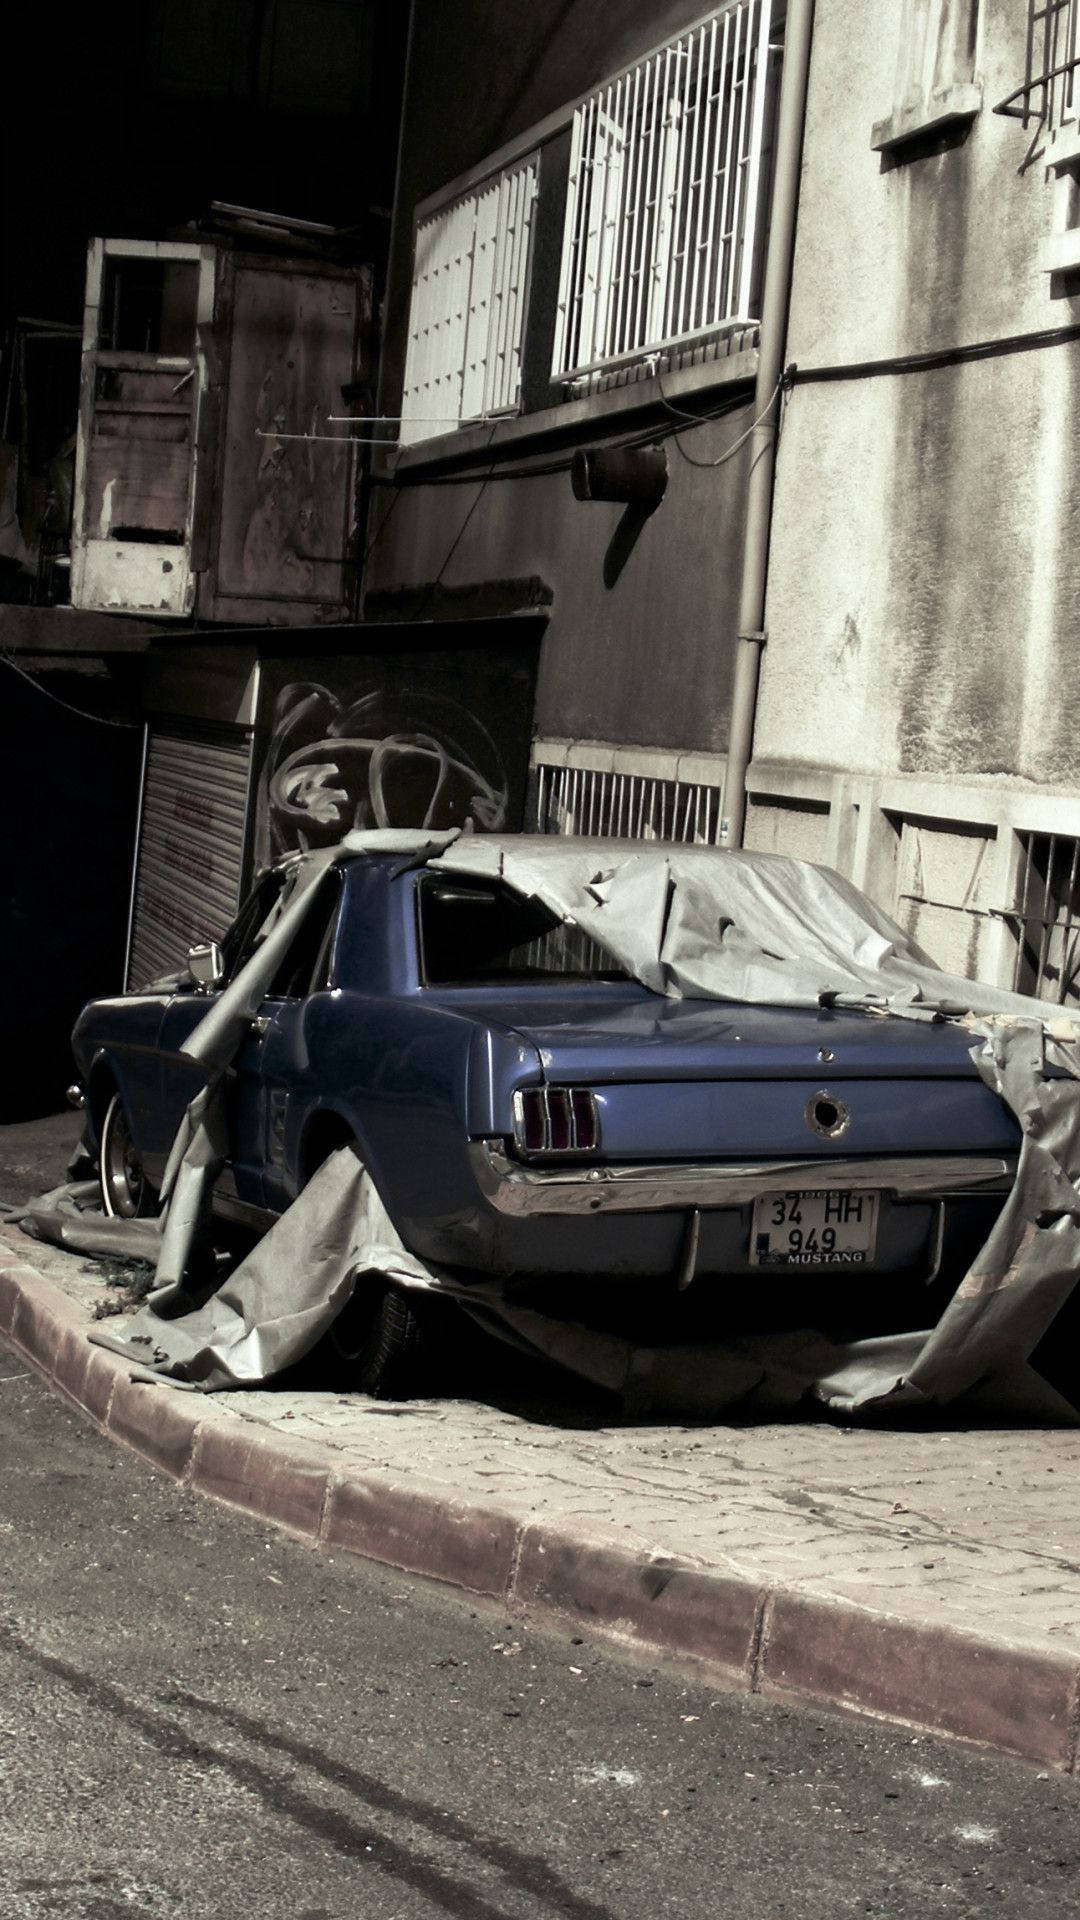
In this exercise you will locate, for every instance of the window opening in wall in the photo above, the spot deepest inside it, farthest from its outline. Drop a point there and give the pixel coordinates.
(935, 93)
(467, 313)
(627, 806)
(664, 204)
(149, 306)
(947, 889)
(1047, 918)
(1050, 93)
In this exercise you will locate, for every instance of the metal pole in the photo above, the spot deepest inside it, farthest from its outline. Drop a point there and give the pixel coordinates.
(762, 454)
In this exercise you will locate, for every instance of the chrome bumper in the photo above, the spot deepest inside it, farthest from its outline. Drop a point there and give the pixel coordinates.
(513, 1189)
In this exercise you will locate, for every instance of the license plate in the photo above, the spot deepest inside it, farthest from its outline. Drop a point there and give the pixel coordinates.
(816, 1229)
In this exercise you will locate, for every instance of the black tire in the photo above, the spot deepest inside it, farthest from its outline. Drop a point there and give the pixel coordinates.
(380, 1342)
(126, 1193)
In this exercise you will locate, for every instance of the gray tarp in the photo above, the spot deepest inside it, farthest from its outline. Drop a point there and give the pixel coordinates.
(701, 923)
(685, 921)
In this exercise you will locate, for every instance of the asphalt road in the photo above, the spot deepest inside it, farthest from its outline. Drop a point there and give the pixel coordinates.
(34, 1154)
(199, 1717)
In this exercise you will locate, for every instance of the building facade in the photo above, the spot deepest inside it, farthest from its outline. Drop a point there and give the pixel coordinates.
(583, 257)
(917, 717)
(577, 263)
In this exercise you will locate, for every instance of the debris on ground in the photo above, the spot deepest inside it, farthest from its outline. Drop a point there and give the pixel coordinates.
(131, 1280)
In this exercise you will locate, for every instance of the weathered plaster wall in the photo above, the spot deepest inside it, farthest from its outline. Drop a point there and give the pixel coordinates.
(925, 564)
(645, 661)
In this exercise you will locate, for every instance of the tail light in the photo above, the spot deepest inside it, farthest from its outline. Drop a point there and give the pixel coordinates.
(556, 1120)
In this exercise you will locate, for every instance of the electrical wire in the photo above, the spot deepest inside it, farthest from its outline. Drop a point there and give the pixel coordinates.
(540, 469)
(381, 528)
(481, 489)
(683, 413)
(937, 357)
(641, 437)
(101, 719)
(736, 444)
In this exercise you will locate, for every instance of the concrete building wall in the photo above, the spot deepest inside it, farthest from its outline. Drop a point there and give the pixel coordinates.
(924, 568)
(646, 659)
(639, 648)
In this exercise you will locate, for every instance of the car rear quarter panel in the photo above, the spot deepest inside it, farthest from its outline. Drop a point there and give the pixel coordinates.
(411, 1082)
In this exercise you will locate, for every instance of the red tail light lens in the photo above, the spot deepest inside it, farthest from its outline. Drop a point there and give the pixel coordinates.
(556, 1120)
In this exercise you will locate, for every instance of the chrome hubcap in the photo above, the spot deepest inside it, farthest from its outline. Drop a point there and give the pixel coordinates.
(123, 1174)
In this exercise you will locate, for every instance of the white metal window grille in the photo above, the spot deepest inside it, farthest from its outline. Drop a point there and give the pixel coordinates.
(627, 806)
(663, 197)
(1046, 919)
(1050, 93)
(467, 316)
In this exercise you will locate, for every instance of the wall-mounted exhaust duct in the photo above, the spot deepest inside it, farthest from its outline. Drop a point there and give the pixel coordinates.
(635, 476)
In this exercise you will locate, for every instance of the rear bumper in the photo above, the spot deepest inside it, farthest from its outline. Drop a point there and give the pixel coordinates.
(519, 1191)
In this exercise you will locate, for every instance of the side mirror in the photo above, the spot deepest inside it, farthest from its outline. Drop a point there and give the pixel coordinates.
(206, 965)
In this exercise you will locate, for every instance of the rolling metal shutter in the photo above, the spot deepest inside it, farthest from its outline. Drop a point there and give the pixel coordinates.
(191, 846)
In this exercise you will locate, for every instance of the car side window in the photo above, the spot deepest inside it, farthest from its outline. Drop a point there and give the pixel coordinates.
(306, 966)
(242, 938)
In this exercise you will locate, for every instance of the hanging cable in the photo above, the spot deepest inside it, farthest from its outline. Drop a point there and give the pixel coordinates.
(641, 437)
(736, 444)
(80, 712)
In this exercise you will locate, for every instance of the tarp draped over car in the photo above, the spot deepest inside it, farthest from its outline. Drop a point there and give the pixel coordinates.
(704, 923)
(694, 922)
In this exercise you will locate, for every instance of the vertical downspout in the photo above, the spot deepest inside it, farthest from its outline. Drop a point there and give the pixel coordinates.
(762, 456)
(397, 214)
(133, 889)
(381, 317)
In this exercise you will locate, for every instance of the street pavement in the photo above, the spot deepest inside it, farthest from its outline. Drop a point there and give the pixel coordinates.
(932, 1574)
(201, 1716)
(34, 1154)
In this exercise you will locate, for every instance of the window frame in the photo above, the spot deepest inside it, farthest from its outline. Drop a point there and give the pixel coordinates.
(321, 966)
(666, 117)
(469, 303)
(510, 980)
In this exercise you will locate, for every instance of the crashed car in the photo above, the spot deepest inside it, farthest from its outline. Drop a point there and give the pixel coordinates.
(528, 1108)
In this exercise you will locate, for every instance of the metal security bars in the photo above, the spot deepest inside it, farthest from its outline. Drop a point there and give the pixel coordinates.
(663, 200)
(1046, 919)
(1050, 93)
(627, 806)
(467, 316)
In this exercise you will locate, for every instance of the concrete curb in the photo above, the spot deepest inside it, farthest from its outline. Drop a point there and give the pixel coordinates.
(748, 1634)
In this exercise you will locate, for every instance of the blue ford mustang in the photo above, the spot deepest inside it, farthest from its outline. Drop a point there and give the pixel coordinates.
(527, 1110)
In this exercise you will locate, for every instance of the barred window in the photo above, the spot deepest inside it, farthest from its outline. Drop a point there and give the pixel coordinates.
(1050, 92)
(635, 223)
(663, 205)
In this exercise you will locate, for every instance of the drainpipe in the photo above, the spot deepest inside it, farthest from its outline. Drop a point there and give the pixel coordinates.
(762, 456)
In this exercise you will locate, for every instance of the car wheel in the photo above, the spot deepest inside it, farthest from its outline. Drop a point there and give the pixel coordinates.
(380, 1340)
(126, 1193)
